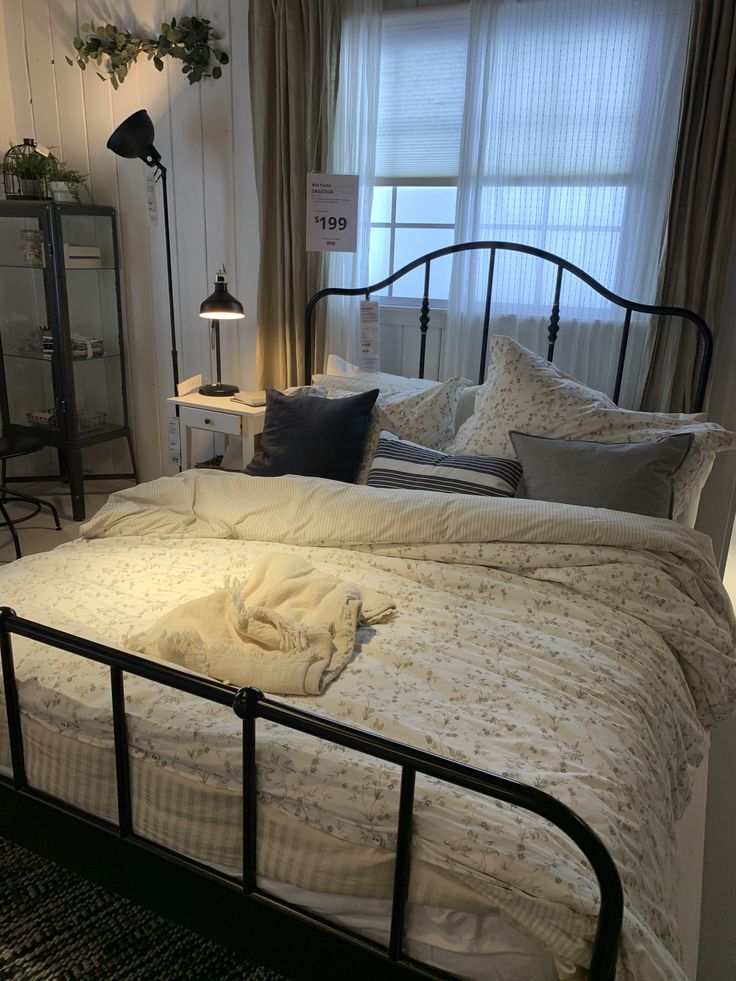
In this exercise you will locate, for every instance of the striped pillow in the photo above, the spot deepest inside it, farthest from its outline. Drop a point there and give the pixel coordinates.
(399, 463)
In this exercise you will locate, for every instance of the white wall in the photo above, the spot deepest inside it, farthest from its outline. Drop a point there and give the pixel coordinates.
(7, 113)
(203, 133)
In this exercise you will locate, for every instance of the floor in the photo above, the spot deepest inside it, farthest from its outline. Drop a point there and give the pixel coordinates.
(39, 534)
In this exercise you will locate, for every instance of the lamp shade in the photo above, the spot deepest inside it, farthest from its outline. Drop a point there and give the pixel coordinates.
(221, 305)
(134, 138)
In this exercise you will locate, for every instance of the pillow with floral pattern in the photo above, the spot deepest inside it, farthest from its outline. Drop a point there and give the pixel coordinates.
(425, 417)
(526, 393)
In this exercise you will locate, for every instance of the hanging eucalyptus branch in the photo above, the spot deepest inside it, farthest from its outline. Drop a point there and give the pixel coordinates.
(190, 40)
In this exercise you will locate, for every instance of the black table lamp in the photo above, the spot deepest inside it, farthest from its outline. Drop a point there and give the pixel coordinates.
(218, 306)
(134, 138)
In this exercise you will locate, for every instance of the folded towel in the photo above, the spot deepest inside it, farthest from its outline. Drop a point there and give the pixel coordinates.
(289, 629)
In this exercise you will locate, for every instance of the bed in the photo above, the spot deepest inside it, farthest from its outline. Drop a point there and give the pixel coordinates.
(498, 757)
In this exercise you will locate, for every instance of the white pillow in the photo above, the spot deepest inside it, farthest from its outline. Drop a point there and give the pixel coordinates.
(466, 405)
(339, 366)
(528, 394)
(342, 374)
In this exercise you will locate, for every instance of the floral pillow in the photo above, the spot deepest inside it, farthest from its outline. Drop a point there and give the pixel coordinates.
(528, 394)
(425, 417)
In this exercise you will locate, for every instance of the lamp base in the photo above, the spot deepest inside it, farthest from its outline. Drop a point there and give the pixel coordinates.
(218, 389)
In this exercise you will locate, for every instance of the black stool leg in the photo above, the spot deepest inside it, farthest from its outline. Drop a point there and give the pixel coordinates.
(17, 496)
(55, 513)
(11, 526)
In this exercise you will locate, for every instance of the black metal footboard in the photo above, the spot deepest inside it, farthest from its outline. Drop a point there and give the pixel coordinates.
(259, 922)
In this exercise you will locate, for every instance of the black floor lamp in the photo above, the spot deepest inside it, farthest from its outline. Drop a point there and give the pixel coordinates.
(134, 138)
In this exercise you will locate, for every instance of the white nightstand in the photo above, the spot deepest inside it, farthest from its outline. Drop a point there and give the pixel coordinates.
(218, 415)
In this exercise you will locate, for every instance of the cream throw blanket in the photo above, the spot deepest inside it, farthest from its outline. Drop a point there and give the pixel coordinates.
(289, 630)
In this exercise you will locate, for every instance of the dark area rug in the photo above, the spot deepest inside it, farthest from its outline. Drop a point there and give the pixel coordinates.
(56, 926)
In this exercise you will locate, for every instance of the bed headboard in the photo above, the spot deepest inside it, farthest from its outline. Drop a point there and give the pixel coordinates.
(671, 317)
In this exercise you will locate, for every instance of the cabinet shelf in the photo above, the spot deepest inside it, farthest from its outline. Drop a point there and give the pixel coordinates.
(89, 269)
(31, 266)
(40, 268)
(46, 307)
(48, 360)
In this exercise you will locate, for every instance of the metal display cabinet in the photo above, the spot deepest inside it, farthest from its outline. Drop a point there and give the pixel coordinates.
(61, 333)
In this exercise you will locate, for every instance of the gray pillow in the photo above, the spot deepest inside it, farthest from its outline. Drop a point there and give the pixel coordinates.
(635, 477)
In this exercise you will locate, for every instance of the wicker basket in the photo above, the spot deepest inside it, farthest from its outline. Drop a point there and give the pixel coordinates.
(48, 419)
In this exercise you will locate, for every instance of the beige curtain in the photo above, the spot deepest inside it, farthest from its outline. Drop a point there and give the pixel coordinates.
(700, 226)
(293, 52)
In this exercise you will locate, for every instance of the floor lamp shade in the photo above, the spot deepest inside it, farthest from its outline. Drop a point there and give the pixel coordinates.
(134, 138)
(220, 305)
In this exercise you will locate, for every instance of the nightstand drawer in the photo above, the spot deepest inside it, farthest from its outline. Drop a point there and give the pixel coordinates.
(218, 422)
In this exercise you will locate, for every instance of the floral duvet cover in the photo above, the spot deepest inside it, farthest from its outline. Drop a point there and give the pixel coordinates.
(580, 650)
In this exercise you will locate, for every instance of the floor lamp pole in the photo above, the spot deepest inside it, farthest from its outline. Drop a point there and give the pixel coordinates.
(174, 354)
(132, 139)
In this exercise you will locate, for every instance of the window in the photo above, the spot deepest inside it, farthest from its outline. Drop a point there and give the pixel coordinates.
(553, 129)
(420, 111)
(406, 221)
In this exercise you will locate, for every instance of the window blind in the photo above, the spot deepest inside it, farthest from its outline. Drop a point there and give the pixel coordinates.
(422, 91)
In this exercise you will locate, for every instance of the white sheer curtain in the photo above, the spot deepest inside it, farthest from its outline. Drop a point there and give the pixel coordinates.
(354, 152)
(569, 128)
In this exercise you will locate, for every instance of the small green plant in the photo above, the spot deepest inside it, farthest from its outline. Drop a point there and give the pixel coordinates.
(39, 167)
(60, 172)
(191, 40)
(25, 172)
(43, 169)
(28, 166)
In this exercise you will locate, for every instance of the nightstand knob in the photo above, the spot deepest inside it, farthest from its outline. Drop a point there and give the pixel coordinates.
(207, 422)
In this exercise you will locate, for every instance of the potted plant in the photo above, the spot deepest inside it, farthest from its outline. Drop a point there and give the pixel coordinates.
(25, 170)
(64, 182)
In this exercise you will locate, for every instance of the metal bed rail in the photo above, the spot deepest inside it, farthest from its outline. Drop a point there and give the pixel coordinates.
(249, 704)
(629, 307)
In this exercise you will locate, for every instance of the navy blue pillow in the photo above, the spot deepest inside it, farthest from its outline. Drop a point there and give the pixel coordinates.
(313, 436)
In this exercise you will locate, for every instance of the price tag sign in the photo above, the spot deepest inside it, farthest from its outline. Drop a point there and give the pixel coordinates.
(332, 212)
(370, 336)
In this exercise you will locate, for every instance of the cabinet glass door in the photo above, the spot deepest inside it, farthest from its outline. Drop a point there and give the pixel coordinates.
(24, 329)
(89, 264)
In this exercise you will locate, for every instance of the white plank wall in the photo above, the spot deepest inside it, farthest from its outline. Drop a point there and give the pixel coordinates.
(203, 133)
(7, 110)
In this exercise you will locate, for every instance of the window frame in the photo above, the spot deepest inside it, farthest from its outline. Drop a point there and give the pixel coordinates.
(390, 298)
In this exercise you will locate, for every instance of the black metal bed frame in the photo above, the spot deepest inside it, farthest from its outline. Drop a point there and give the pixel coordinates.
(629, 307)
(238, 912)
(235, 911)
